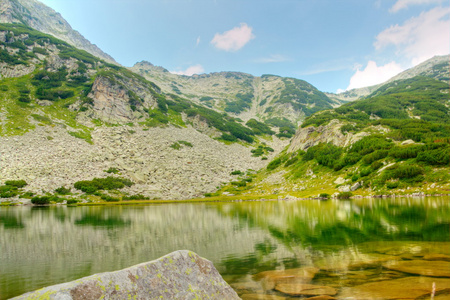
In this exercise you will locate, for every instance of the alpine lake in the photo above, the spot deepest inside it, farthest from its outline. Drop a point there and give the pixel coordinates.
(391, 248)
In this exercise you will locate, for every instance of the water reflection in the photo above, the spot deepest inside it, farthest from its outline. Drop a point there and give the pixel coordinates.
(49, 245)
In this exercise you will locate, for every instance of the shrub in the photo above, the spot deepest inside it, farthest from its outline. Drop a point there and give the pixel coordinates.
(40, 200)
(228, 137)
(291, 161)
(392, 185)
(258, 127)
(405, 172)
(237, 172)
(136, 197)
(16, 183)
(344, 195)
(324, 195)
(406, 152)
(108, 198)
(108, 183)
(62, 191)
(374, 156)
(325, 154)
(365, 172)
(8, 191)
(435, 157)
(112, 170)
(72, 201)
(376, 165)
(274, 164)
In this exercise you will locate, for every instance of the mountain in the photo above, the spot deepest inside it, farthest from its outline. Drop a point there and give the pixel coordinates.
(67, 116)
(36, 15)
(436, 67)
(394, 141)
(268, 98)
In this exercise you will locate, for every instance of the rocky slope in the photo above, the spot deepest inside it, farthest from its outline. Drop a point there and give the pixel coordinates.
(48, 158)
(36, 15)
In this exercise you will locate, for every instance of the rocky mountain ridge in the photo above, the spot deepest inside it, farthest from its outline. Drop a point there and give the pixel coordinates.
(242, 95)
(36, 15)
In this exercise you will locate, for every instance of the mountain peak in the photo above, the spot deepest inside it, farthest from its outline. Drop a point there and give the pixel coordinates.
(38, 16)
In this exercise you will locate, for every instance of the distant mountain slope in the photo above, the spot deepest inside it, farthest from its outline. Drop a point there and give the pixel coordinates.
(36, 15)
(436, 67)
(264, 98)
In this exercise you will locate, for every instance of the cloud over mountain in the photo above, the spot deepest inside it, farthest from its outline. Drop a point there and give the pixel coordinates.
(234, 39)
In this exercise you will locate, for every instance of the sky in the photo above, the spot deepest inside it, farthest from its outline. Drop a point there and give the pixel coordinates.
(336, 45)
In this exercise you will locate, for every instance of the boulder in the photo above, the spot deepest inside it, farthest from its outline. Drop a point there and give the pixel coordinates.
(178, 275)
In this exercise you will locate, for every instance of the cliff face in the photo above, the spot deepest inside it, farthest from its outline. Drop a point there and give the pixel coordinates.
(331, 133)
(42, 18)
(179, 275)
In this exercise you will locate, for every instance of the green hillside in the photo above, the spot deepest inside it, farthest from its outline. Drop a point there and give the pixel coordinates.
(47, 82)
(398, 142)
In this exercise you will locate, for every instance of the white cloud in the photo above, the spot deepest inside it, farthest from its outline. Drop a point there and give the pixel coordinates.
(198, 41)
(197, 69)
(234, 39)
(274, 58)
(374, 74)
(419, 38)
(403, 4)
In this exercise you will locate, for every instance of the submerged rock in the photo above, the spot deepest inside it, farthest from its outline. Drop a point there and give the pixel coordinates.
(294, 276)
(421, 267)
(404, 288)
(178, 275)
(305, 289)
(262, 297)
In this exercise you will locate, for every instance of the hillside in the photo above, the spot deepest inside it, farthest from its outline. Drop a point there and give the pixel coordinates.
(38, 16)
(396, 141)
(270, 99)
(67, 116)
(436, 67)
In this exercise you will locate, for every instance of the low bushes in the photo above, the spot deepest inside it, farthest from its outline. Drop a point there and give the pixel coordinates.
(96, 184)
(11, 188)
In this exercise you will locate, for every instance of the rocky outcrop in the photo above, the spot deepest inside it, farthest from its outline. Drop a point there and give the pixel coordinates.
(179, 275)
(330, 133)
(110, 101)
(118, 101)
(41, 17)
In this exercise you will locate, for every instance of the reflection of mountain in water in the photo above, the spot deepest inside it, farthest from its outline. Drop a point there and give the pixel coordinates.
(65, 243)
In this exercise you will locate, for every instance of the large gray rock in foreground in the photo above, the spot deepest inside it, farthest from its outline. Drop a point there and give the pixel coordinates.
(178, 275)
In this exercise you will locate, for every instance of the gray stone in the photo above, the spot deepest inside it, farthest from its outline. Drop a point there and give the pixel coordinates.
(178, 275)
(356, 186)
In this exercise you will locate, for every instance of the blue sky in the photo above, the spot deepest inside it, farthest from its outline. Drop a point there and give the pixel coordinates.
(333, 44)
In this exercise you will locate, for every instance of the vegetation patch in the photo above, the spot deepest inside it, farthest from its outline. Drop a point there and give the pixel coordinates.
(108, 183)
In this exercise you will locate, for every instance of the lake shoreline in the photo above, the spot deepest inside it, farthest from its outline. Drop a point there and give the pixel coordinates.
(223, 199)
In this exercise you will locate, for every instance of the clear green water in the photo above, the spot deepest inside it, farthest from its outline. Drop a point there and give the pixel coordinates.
(41, 246)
